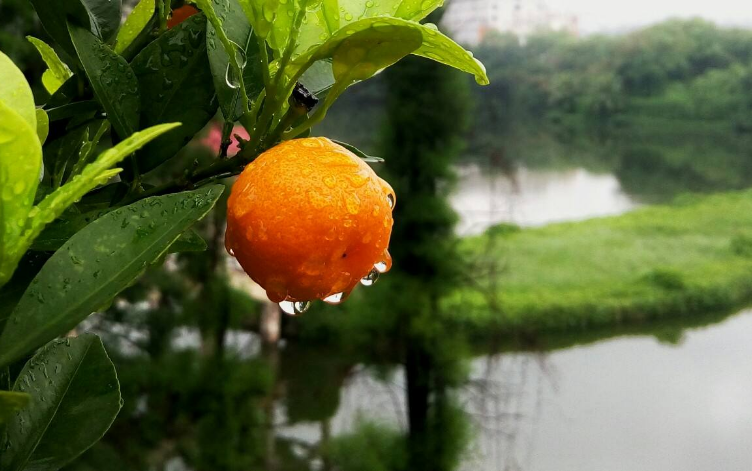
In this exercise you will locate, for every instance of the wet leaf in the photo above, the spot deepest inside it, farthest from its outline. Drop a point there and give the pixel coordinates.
(43, 125)
(434, 45)
(112, 79)
(75, 397)
(239, 31)
(96, 264)
(15, 92)
(20, 163)
(54, 77)
(176, 85)
(104, 16)
(134, 24)
(94, 174)
(10, 403)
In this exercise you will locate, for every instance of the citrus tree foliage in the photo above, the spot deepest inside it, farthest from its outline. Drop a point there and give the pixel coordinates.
(88, 199)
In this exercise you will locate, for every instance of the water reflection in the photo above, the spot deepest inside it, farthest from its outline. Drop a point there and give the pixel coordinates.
(533, 197)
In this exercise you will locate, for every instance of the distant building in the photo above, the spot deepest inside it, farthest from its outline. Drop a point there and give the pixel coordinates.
(470, 20)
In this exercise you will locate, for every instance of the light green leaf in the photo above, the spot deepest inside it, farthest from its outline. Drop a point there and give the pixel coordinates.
(358, 152)
(94, 174)
(43, 125)
(434, 45)
(15, 92)
(96, 264)
(10, 403)
(75, 397)
(58, 71)
(134, 24)
(20, 164)
(112, 79)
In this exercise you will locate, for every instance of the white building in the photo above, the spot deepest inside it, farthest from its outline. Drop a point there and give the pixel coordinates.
(470, 20)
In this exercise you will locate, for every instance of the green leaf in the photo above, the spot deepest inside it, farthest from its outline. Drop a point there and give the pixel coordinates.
(96, 264)
(239, 31)
(318, 78)
(434, 45)
(43, 125)
(189, 241)
(176, 85)
(112, 79)
(104, 16)
(15, 92)
(54, 16)
(94, 174)
(75, 397)
(20, 164)
(358, 152)
(10, 403)
(58, 71)
(134, 24)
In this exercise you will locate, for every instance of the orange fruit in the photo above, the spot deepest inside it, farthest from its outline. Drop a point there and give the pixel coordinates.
(181, 14)
(309, 220)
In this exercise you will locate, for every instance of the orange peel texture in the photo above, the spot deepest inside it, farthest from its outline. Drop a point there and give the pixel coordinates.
(308, 220)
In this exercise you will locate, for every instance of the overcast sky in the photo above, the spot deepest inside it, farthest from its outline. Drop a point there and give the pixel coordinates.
(610, 15)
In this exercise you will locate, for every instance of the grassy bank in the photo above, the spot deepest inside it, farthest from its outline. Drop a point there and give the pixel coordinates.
(656, 263)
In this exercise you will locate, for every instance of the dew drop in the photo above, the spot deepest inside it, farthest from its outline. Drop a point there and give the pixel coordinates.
(390, 198)
(294, 308)
(230, 78)
(336, 298)
(381, 267)
(370, 278)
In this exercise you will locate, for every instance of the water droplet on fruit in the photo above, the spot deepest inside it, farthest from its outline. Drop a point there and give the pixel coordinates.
(294, 308)
(336, 298)
(371, 278)
(390, 198)
(381, 267)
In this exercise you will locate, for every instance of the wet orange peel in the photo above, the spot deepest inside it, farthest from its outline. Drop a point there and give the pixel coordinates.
(309, 220)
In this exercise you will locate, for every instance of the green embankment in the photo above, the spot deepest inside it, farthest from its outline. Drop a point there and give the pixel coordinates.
(656, 263)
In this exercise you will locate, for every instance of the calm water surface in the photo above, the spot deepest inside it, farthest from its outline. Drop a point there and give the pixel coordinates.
(533, 197)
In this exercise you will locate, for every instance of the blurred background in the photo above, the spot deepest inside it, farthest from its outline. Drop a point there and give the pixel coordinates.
(572, 261)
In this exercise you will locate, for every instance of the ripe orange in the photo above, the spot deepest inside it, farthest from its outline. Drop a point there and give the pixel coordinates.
(308, 220)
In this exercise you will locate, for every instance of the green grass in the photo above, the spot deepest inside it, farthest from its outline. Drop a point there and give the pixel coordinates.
(656, 263)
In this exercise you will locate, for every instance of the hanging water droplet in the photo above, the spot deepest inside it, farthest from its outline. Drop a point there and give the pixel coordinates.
(336, 298)
(230, 78)
(381, 267)
(371, 278)
(390, 198)
(294, 308)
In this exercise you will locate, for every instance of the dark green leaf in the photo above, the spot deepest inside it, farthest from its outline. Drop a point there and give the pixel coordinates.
(96, 264)
(104, 16)
(114, 83)
(10, 403)
(176, 85)
(65, 94)
(72, 109)
(54, 15)
(238, 30)
(189, 241)
(358, 152)
(75, 397)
